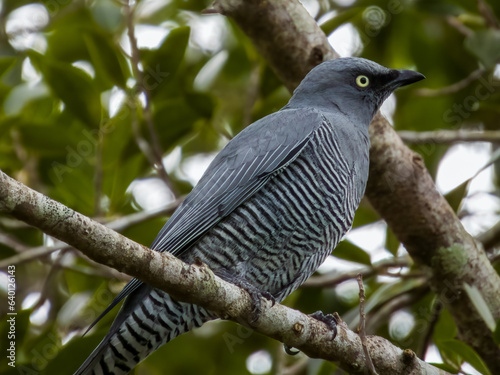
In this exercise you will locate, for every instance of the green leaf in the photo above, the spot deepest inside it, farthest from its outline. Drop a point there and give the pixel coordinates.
(74, 183)
(108, 14)
(6, 62)
(174, 119)
(116, 135)
(445, 367)
(450, 357)
(202, 103)
(145, 231)
(466, 353)
(78, 282)
(391, 242)
(484, 45)
(326, 368)
(108, 62)
(65, 37)
(496, 333)
(333, 23)
(204, 141)
(365, 214)
(72, 355)
(160, 66)
(99, 300)
(480, 305)
(73, 86)
(348, 251)
(380, 296)
(456, 195)
(10, 71)
(23, 94)
(269, 82)
(445, 328)
(118, 178)
(22, 324)
(49, 139)
(237, 63)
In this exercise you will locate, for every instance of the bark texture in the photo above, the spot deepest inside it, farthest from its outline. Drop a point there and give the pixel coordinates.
(400, 187)
(197, 284)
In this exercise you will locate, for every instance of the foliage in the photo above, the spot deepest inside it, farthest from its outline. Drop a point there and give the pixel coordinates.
(73, 118)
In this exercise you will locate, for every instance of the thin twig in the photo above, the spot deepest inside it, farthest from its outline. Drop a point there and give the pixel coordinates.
(103, 271)
(488, 14)
(436, 310)
(494, 258)
(449, 136)
(155, 155)
(122, 223)
(98, 175)
(30, 255)
(362, 317)
(332, 279)
(56, 266)
(13, 242)
(451, 89)
(400, 274)
(459, 26)
(380, 312)
(10, 223)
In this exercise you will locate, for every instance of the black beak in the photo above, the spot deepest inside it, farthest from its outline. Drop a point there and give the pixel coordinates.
(406, 77)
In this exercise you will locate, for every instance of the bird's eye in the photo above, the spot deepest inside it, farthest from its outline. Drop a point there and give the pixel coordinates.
(362, 81)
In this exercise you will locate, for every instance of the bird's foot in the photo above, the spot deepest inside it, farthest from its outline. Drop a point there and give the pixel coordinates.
(255, 294)
(329, 319)
(290, 350)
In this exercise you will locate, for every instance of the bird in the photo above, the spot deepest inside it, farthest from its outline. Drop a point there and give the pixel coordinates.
(268, 210)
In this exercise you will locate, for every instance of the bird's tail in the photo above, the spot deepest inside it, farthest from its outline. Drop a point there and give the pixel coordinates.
(148, 319)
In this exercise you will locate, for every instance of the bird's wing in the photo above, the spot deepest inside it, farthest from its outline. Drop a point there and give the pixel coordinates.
(236, 173)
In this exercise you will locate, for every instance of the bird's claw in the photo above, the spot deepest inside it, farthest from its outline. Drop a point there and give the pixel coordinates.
(289, 351)
(330, 320)
(255, 294)
(269, 297)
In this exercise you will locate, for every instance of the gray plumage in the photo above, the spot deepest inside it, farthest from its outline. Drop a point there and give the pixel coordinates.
(270, 207)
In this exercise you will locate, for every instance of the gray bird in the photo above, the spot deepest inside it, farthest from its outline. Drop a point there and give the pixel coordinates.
(269, 209)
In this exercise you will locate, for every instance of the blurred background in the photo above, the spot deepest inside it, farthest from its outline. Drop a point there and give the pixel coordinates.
(121, 128)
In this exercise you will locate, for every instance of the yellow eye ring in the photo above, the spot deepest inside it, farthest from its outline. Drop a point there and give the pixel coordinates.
(362, 81)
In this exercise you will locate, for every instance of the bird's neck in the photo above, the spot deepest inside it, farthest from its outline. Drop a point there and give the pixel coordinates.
(360, 118)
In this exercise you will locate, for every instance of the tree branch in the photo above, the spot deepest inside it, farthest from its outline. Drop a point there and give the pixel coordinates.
(400, 187)
(30, 255)
(197, 284)
(331, 279)
(449, 136)
(460, 85)
(488, 15)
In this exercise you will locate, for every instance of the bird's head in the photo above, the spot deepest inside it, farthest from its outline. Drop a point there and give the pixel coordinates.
(354, 86)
